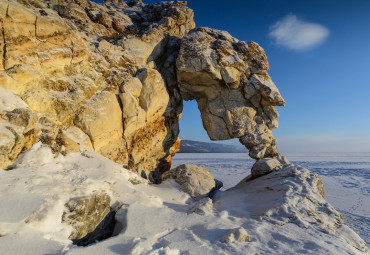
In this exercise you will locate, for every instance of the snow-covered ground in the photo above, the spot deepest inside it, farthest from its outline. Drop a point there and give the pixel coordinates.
(34, 192)
(346, 178)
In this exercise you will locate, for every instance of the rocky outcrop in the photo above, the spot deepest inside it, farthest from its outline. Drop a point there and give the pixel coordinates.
(235, 94)
(112, 77)
(290, 195)
(102, 74)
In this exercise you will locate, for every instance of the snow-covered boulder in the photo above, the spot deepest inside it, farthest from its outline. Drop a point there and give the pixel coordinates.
(194, 180)
(291, 195)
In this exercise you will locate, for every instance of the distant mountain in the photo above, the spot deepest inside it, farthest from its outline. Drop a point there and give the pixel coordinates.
(189, 146)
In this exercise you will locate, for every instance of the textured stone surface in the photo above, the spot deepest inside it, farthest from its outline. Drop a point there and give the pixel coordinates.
(235, 95)
(85, 214)
(112, 77)
(194, 180)
(264, 166)
(281, 158)
(101, 120)
(106, 70)
(319, 186)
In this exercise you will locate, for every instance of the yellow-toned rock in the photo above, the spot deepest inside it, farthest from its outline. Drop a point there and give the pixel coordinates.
(101, 120)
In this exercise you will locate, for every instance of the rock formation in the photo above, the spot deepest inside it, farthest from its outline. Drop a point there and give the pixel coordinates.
(112, 77)
(270, 198)
(235, 94)
(78, 75)
(100, 74)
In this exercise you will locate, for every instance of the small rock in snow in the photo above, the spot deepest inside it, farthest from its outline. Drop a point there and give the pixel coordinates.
(236, 235)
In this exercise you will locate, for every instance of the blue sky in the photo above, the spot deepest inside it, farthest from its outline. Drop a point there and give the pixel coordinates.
(326, 86)
(319, 55)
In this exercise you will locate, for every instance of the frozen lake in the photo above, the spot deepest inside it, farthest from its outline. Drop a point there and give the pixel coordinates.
(346, 178)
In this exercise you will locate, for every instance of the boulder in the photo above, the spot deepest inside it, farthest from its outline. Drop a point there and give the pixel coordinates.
(236, 235)
(85, 214)
(194, 180)
(228, 78)
(265, 166)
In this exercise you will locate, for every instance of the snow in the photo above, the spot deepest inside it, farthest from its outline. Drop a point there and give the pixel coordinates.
(345, 176)
(9, 101)
(33, 194)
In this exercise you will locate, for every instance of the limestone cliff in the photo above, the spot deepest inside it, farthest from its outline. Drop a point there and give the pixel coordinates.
(112, 77)
(100, 74)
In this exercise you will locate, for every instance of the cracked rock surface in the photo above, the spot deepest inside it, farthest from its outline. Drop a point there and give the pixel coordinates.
(236, 97)
(102, 74)
(112, 77)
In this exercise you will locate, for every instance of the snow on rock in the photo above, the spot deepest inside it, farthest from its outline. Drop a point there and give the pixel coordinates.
(289, 195)
(9, 101)
(194, 180)
(79, 78)
(282, 212)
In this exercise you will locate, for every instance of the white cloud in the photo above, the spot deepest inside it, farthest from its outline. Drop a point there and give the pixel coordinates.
(296, 34)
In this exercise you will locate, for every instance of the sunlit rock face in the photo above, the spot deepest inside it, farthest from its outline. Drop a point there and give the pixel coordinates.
(112, 78)
(236, 97)
(101, 74)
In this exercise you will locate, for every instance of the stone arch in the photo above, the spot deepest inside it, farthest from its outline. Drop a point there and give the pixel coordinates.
(236, 97)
